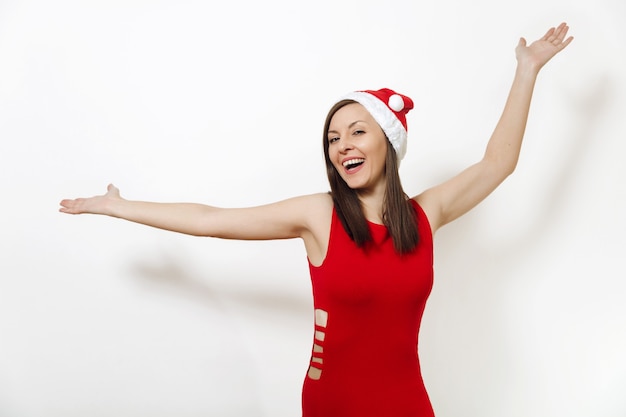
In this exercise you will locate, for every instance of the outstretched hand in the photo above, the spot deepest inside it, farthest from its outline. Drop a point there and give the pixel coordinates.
(538, 53)
(92, 205)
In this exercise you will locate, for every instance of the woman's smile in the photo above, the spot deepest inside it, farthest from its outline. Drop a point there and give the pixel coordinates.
(353, 165)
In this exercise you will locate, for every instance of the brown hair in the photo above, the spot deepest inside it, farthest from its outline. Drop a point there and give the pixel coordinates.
(398, 214)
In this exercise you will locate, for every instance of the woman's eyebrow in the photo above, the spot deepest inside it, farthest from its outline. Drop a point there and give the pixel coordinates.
(355, 122)
(351, 125)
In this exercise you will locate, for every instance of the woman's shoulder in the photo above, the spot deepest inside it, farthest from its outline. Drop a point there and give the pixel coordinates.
(319, 214)
(310, 211)
(316, 201)
(318, 205)
(428, 208)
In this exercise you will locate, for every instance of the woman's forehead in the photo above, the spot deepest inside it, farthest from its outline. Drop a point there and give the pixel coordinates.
(349, 114)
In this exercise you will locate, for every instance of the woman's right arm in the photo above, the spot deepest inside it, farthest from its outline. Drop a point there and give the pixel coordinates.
(282, 220)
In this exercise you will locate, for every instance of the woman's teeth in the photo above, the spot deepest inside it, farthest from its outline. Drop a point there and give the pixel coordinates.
(353, 163)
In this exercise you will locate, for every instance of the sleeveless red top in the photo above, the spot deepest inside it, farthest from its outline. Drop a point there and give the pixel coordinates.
(368, 308)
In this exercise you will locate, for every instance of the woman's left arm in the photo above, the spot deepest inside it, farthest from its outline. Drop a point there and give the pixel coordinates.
(455, 197)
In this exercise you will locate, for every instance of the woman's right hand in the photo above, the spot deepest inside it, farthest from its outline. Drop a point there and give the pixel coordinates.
(93, 205)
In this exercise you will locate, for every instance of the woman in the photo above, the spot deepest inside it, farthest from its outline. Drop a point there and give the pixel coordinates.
(369, 246)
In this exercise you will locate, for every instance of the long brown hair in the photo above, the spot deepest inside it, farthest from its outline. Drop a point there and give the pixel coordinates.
(398, 214)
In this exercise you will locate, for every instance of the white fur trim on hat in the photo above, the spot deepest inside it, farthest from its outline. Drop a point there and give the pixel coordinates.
(383, 115)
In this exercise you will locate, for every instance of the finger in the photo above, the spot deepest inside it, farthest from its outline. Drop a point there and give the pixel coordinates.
(566, 42)
(561, 32)
(113, 190)
(72, 204)
(67, 206)
(548, 34)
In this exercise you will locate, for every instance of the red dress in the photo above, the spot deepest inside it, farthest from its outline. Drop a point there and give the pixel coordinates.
(368, 308)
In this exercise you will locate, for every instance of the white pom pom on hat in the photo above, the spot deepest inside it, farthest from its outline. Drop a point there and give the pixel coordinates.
(396, 103)
(389, 109)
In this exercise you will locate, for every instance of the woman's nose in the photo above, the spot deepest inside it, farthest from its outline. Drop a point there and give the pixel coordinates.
(345, 146)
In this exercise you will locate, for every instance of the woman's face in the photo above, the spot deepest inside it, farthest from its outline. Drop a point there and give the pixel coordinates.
(357, 148)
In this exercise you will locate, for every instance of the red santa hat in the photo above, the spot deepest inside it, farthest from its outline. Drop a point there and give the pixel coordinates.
(389, 109)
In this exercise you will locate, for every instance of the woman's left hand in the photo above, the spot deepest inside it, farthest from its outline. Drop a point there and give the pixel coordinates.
(538, 53)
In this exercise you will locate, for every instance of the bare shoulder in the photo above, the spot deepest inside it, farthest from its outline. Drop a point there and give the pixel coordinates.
(312, 212)
(431, 207)
(319, 212)
(318, 201)
(318, 208)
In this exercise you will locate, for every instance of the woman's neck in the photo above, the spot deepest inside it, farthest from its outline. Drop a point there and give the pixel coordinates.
(372, 202)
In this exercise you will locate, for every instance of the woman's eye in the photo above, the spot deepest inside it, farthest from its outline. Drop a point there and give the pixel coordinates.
(332, 140)
(359, 132)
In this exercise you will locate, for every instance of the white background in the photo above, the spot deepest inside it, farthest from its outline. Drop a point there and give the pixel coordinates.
(223, 103)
